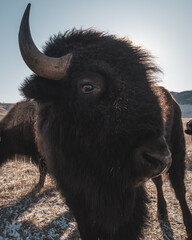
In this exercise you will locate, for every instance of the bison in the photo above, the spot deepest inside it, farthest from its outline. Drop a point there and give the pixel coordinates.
(17, 137)
(174, 135)
(189, 127)
(104, 128)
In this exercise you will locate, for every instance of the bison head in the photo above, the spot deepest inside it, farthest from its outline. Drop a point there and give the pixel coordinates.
(97, 107)
(189, 128)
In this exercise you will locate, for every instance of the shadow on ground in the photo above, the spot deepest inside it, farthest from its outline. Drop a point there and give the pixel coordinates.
(13, 227)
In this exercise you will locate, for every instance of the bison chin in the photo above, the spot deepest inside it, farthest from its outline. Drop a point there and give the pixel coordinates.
(152, 159)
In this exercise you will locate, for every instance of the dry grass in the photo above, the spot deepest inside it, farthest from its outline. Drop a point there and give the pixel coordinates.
(28, 216)
(45, 216)
(162, 230)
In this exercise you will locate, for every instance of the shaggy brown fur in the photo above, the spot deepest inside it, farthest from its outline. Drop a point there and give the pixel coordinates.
(102, 130)
(174, 134)
(18, 137)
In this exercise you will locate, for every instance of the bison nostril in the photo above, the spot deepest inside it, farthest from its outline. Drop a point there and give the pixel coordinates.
(158, 163)
(152, 161)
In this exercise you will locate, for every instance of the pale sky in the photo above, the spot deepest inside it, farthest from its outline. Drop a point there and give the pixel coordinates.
(164, 27)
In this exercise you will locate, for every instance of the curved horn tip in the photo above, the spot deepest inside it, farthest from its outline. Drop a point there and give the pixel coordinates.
(27, 10)
(42, 65)
(28, 7)
(25, 18)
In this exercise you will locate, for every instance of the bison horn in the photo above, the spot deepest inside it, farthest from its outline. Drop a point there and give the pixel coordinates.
(44, 66)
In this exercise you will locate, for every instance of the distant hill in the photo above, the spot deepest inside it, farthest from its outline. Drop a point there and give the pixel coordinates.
(185, 101)
(4, 107)
(183, 97)
(2, 111)
(186, 110)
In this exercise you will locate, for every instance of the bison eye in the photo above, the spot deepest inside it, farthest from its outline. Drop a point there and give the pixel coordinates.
(90, 84)
(87, 88)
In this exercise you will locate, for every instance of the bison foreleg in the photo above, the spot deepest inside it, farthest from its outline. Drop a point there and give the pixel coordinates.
(161, 203)
(42, 172)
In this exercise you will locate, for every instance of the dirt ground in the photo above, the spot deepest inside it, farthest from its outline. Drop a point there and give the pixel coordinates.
(45, 216)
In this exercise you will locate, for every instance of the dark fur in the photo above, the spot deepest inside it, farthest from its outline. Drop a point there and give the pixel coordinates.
(90, 143)
(18, 138)
(189, 128)
(174, 134)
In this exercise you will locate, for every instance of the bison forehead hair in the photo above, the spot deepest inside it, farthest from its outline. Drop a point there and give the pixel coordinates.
(118, 53)
(122, 74)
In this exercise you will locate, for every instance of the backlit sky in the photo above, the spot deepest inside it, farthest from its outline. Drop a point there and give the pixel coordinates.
(164, 27)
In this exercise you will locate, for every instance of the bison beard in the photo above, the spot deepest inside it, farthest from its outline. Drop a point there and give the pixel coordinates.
(101, 128)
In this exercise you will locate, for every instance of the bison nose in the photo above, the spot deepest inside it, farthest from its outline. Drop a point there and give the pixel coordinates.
(157, 163)
(154, 157)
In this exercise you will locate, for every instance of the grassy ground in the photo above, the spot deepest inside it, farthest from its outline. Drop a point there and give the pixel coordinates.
(45, 216)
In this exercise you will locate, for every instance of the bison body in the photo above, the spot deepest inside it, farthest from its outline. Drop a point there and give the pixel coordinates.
(18, 137)
(101, 126)
(174, 135)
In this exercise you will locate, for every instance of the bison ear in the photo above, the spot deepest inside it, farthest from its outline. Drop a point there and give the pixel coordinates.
(34, 88)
